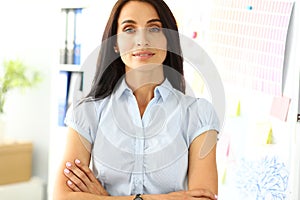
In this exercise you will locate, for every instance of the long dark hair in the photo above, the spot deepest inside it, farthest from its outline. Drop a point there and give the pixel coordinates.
(110, 67)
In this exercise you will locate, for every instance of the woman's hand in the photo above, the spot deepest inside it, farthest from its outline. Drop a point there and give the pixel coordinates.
(202, 194)
(81, 179)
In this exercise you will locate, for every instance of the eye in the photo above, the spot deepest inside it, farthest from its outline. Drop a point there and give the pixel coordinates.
(154, 29)
(129, 30)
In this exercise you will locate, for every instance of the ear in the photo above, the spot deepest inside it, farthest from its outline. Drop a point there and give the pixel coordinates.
(116, 49)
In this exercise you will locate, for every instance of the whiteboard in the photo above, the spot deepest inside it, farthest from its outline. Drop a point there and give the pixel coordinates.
(254, 45)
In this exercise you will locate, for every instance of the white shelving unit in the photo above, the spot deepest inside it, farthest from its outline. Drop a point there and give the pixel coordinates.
(69, 68)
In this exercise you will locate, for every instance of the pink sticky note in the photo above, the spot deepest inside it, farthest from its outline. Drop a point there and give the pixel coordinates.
(280, 107)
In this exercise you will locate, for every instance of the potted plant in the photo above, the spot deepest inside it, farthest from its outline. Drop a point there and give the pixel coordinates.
(14, 74)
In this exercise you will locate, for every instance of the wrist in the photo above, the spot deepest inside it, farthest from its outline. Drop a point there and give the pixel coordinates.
(138, 197)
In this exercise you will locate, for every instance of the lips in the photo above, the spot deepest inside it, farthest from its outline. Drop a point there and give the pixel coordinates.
(143, 54)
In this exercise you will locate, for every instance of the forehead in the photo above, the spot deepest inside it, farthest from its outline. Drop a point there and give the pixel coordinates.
(140, 12)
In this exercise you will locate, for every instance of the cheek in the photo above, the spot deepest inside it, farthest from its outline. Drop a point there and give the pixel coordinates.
(126, 59)
(159, 42)
(125, 44)
(161, 46)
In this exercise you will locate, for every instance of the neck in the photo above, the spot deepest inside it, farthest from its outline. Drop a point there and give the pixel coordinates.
(144, 80)
(143, 83)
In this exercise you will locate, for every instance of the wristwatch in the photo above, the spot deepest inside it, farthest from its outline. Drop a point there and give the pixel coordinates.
(138, 197)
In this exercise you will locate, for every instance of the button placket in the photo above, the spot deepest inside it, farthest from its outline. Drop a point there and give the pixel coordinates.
(138, 148)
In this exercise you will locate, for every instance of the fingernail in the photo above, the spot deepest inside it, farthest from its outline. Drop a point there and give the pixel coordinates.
(216, 196)
(68, 164)
(69, 182)
(77, 161)
(66, 171)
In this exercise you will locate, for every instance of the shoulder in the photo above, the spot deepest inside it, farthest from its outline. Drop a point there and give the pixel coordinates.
(201, 108)
(191, 102)
(200, 116)
(84, 117)
(89, 105)
(201, 104)
(86, 110)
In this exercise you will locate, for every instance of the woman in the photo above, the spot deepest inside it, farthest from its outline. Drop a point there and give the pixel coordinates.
(142, 136)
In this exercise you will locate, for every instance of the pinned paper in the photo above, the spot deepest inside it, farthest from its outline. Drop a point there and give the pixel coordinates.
(246, 39)
(280, 107)
(194, 80)
(270, 137)
(226, 158)
(228, 150)
(198, 83)
(224, 176)
(263, 133)
(234, 108)
(238, 109)
(227, 161)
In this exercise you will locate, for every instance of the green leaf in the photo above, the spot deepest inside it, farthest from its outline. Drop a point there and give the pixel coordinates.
(16, 75)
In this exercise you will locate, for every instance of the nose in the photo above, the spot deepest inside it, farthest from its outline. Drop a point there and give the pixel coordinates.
(142, 38)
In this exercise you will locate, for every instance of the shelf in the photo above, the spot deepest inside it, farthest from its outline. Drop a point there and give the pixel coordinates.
(72, 4)
(70, 68)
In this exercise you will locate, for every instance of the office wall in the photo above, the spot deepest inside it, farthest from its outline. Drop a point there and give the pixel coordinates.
(28, 33)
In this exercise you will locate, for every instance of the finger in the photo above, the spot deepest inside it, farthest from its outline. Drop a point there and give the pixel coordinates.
(86, 170)
(76, 176)
(73, 187)
(94, 181)
(74, 180)
(91, 176)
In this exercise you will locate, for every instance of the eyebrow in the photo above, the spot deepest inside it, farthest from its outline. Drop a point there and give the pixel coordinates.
(134, 22)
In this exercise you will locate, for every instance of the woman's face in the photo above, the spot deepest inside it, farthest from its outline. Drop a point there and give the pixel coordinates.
(140, 41)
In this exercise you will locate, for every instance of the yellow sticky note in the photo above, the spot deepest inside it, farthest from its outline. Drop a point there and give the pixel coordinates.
(270, 137)
(238, 109)
(224, 176)
(198, 84)
(234, 107)
(263, 133)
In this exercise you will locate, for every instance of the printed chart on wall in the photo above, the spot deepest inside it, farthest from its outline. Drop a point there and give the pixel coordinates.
(261, 173)
(248, 39)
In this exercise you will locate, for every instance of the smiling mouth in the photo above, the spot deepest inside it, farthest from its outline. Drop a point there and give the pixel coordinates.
(143, 54)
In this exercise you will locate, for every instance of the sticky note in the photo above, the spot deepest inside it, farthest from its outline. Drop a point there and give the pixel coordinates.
(228, 150)
(280, 107)
(238, 109)
(270, 137)
(263, 133)
(198, 83)
(224, 176)
(234, 108)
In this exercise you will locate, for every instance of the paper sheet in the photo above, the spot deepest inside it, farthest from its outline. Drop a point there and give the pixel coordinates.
(280, 107)
(248, 41)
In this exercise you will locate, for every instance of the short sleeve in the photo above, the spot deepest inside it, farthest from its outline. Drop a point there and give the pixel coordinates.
(201, 118)
(83, 118)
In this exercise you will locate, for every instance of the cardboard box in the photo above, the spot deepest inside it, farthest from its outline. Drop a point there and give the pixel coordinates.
(15, 162)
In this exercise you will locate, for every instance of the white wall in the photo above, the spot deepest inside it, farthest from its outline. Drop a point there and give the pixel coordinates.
(28, 33)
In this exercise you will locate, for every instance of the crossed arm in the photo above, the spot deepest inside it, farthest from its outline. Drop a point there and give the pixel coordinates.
(75, 180)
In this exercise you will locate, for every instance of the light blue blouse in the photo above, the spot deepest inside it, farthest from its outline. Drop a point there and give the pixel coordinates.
(147, 155)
